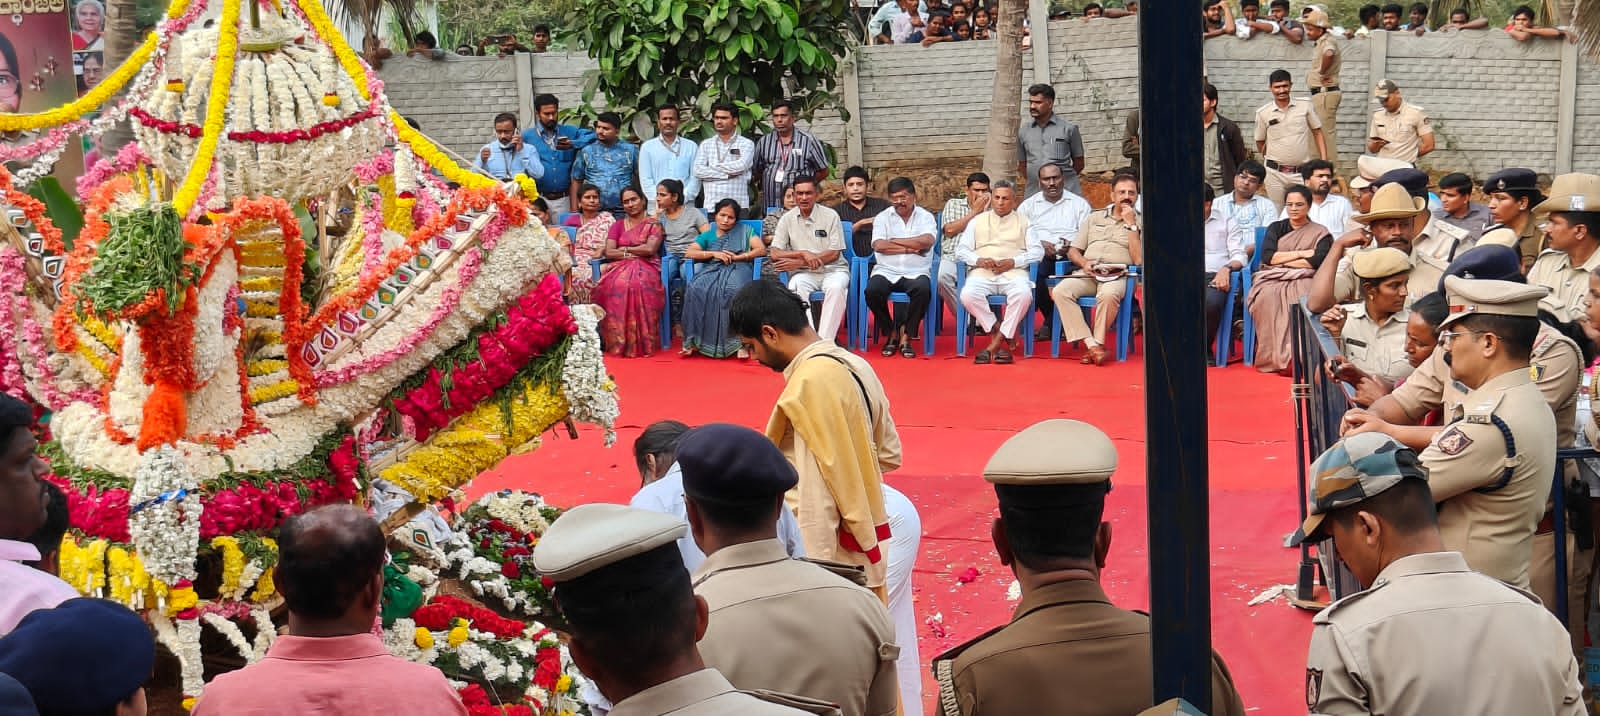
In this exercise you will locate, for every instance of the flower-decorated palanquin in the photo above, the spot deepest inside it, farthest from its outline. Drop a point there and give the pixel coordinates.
(281, 291)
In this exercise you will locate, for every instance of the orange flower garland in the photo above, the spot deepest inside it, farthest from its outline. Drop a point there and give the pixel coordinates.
(95, 228)
(295, 335)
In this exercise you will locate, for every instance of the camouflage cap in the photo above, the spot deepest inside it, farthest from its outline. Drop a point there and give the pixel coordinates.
(1353, 470)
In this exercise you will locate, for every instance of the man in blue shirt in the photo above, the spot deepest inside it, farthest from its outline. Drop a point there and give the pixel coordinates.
(608, 163)
(507, 156)
(557, 145)
(668, 156)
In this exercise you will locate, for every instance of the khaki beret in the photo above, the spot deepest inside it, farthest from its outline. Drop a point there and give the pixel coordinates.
(1053, 452)
(1369, 167)
(588, 537)
(1468, 297)
(1380, 263)
(1500, 237)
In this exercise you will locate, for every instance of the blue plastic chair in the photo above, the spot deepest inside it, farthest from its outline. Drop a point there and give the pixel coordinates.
(1239, 287)
(996, 300)
(858, 293)
(669, 265)
(1124, 327)
(561, 219)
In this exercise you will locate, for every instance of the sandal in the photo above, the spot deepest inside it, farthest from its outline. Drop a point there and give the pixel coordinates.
(907, 350)
(1003, 357)
(982, 358)
(890, 347)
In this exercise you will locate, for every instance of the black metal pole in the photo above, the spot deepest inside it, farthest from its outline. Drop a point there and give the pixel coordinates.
(1175, 356)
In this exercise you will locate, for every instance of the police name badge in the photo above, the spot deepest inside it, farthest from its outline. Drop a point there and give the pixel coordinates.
(1453, 441)
(1313, 687)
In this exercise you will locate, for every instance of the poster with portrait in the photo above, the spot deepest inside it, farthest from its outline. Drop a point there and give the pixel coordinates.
(37, 68)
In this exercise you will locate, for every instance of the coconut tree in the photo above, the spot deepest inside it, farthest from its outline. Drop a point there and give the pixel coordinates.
(1005, 113)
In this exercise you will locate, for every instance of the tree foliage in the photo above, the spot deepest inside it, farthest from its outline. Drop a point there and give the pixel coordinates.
(694, 53)
(465, 22)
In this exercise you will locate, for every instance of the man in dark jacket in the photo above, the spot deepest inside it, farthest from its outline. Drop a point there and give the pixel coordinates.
(1224, 145)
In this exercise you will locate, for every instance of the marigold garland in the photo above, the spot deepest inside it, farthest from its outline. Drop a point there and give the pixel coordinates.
(216, 110)
(272, 210)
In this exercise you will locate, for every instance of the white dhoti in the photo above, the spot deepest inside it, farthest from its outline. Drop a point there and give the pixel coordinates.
(1018, 291)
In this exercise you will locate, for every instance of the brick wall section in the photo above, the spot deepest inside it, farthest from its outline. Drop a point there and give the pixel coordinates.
(931, 105)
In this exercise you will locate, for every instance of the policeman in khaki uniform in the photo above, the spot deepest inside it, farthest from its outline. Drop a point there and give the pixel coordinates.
(1492, 466)
(1323, 79)
(1399, 130)
(777, 623)
(1556, 367)
(1390, 221)
(1067, 651)
(1288, 134)
(621, 584)
(1571, 218)
(1376, 346)
(1429, 635)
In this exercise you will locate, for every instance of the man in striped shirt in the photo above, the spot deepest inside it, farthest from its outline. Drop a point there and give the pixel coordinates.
(722, 163)
(787, 154)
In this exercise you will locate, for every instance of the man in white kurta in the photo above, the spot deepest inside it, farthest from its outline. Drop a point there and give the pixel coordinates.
(998, 249)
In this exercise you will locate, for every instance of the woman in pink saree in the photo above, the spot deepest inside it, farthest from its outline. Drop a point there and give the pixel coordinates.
(1291, 251)
(594, 226)
(630, 287)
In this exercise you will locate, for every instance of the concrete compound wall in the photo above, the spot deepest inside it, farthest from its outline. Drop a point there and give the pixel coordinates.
(1495, 102)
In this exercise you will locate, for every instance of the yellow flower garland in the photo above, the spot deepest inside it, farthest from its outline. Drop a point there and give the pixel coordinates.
(232, 565)
(264, 586)
(127, 578)
(424, 149)
(181, 599)
(216, 109)
(476, 442)
(83, 566)
(269, 393)
(94, 99)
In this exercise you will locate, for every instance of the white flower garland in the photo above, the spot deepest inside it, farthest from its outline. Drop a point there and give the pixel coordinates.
(164, 515)
(182, 638)
(589, 390)
(230, 631)
(521, 510)
(265, 632)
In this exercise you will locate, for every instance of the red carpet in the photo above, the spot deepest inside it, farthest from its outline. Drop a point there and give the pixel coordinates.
(952, 415)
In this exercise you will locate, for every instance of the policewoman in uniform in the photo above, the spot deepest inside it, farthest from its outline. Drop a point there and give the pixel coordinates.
(1068, 651)
(621, 584)
(1417, 640)
(1512, 195)
(1372, 333)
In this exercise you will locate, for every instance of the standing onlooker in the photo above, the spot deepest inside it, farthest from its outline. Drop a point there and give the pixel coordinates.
(1216, 19)
(936, 31)
(1224, 143)
(1369, 20)
(86, 656)
(722, 163)
(668, 156)
(1130, 141)
(558, 146)
(1250, 23)
(903, 546)
(833, 424)
(1460, 19)
(1291, 29)
(1288, 134)
(425, 45)
(903, 243)
(1419, 19)
(859, 209)
(908, 21)
(508, 156)
(879, 27)
(1399, 130)
(1330, 210)
(787, 153)
(809, 245)
(22, 513)
(1048, 139)
(541, 39)
(608, 163)
(1390, 18)
(1459, 217)
(330, 571)
(957, 213)
(1324, 80)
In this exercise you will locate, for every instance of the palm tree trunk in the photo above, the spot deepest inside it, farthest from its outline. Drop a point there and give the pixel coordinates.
(122, 35)
(1005, 109)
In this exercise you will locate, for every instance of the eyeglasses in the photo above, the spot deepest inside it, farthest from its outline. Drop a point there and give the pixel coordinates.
(1448, 336)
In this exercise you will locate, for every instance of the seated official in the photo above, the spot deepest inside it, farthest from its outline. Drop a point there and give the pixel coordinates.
(1054, 217)
(1425, 617)
(808, 243)
(1290, 254)
(997, 247)
(1110, 241)
(634, 617)
(1225, 254)
(1067, 648)
(764, 606)
(955, 216)
(1372, 335)
(724, 259)
(903, 247)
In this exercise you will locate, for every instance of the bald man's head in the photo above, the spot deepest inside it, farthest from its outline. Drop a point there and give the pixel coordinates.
(328, 559)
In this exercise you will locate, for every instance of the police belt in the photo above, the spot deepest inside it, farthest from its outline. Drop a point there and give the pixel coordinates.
(1329, 88)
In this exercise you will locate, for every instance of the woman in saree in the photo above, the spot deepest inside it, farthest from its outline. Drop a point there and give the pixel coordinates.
(1291, 251)
(630, 287)
(594, 226)
(724, 256)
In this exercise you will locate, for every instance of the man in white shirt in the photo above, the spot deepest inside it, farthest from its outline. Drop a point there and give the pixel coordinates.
(903, 246)
(722, 163)
(668, 156)
(1054, 216)
(1244, 209)
(1224, 255)
(655, 451)
(808, 244)
(908, 21)
(1328, 209)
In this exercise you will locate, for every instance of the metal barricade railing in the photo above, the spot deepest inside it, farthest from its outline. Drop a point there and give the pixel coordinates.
(1558, 513)
(1320, 404)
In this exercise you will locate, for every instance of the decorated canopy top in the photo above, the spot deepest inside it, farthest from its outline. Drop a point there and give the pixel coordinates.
(280, 294)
